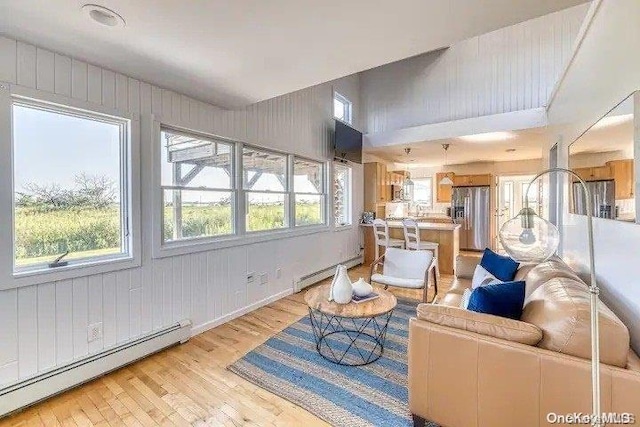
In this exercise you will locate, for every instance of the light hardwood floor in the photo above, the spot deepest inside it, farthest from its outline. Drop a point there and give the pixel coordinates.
(189, 384)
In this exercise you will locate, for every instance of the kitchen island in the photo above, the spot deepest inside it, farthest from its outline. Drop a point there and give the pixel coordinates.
(446, 235)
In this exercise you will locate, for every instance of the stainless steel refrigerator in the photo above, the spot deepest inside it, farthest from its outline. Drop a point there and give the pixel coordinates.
(603, 198)
(470, 207)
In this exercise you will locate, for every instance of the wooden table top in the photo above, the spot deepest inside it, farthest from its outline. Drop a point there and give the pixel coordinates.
(317, 299)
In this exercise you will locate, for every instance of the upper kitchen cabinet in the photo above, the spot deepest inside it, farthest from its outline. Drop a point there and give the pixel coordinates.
(376, 187)
(471, 180)
(443, 191)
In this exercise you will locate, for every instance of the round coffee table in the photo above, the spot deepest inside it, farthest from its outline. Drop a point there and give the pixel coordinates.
(349, 334)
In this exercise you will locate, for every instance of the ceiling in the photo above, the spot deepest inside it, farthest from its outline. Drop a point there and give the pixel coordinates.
(604, 137)
(236, 52)
(528, 144)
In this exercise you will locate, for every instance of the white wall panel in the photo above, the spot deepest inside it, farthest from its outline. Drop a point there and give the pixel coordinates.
(510, 69)
(62, 77)
(46, 326)
(204, 287)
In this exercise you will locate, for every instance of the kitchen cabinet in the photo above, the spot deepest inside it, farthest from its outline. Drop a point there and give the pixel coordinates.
(623, 175)
(596, 173)
(443, 192)
(471, 180)
(396, 178)
(376, 186)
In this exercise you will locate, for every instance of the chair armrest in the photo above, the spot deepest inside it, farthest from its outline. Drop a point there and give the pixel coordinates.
(480, 323)
(374, 266)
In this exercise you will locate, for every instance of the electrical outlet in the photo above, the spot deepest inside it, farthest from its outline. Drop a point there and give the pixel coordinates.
(278, 273)
(94, 332)
(250, 277)
(264, 278)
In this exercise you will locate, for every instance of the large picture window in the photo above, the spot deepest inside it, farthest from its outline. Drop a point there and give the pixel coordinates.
(197, 186)
(342, 195)
(309, 194)
(265, 183)
(71, 186)
(423, 192)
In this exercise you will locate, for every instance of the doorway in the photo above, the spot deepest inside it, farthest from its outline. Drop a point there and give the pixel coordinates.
(510, 200)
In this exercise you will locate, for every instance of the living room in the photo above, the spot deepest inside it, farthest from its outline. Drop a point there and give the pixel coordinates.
(178, 206)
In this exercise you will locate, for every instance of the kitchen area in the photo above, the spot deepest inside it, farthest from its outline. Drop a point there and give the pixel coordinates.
(452, 210)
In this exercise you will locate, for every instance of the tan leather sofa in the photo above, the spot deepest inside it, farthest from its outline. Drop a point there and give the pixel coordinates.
(470, 369)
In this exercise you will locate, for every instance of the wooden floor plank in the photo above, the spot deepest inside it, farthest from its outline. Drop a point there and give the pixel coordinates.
(189, 385)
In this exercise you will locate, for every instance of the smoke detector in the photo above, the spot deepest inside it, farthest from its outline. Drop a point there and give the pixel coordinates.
(103, 15)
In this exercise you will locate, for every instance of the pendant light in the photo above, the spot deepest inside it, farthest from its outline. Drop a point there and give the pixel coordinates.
(407, 185)
(445, 180)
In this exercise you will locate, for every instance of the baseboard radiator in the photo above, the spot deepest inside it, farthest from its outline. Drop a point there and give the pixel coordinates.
(44, 385)
(312, 278)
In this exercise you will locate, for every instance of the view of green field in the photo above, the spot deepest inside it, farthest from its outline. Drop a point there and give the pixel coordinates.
(43, 235)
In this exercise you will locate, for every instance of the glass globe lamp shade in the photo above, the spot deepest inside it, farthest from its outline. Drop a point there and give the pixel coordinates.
(529, 238)
(407, 189)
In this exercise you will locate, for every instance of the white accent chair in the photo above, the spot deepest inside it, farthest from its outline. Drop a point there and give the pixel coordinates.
(381, 234)
(412, 238)
(406, 269)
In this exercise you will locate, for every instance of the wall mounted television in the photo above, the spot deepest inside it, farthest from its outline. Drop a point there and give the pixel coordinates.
(348, 143)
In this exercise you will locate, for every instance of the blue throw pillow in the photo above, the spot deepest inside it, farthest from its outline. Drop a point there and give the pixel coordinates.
(502, 299)
(502, 267)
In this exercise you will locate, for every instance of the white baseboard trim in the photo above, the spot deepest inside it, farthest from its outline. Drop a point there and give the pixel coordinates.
(47, 384)
(235, 314)
(313, 278)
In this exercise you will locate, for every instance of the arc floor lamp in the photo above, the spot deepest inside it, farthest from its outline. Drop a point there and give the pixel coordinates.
(529, 238)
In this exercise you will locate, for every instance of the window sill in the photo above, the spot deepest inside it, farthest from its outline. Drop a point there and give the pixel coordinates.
(72, 271)
(189, 247)
(339, 228)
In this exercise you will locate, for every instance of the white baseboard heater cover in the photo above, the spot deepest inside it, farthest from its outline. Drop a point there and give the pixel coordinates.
(312, 278)
(53, 382)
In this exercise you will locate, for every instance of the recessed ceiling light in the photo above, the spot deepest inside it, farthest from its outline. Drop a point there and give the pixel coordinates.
(612, 121)
(488, 137)
(510, 150)
(103, 16)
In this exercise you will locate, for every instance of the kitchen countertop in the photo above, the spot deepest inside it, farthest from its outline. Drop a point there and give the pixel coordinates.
(422, 225)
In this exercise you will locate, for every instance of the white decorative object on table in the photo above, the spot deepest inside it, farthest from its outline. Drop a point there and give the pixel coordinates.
(362, 288)
(341, 289)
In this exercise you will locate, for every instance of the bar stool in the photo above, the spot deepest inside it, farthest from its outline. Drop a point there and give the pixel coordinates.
(412, 238)
(381, 234)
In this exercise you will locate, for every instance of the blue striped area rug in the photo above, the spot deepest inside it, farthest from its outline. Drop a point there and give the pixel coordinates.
(373, 395)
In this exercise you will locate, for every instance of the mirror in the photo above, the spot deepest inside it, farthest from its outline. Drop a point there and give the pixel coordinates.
(603, 156)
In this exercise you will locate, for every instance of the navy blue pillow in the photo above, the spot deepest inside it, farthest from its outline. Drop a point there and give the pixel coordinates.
(502, 267)
(502, 299)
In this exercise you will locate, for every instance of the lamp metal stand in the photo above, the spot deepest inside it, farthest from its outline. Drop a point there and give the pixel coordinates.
(593, 290)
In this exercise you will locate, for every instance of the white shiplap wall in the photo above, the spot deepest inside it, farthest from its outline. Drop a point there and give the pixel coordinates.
(45, 325)
(514, 68)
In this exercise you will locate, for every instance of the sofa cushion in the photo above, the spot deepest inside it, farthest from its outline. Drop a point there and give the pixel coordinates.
(502, 299)
(451, 299)
(539, 274)
(502, 267)
(561, 308)
(485, 324)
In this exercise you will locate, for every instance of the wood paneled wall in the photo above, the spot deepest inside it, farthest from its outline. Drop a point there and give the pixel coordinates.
(510, 69)
(44, 326)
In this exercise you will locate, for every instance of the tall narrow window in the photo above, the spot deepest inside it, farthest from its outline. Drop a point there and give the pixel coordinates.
(197, 186)
(423, 192)
(342, 195)
(342, 108)
(308, 186)
(71, 186)
(265, 183)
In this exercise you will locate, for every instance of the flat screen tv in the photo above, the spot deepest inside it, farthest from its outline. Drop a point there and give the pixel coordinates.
(348, 143)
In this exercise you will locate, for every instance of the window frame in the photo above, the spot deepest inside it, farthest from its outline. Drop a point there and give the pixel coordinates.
(347, 105)
(323, 192)
(431, 188)
(349, 196)
(130, 189)
(232, 187)
(287, 191)
(151, 129)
